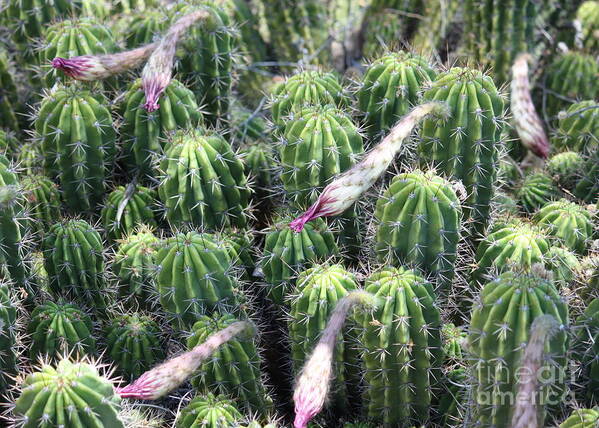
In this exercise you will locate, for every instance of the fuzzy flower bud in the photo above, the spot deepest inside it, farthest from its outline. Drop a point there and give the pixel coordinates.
(97, 67)
(347, 188)
(159, 381)
(526, 120)
(313, 384)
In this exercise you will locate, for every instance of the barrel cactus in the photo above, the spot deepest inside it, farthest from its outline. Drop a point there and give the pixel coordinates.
(209, 411)
(390, 87)
(586, 349)
(578, 127)
(203, 182)
(144, 132)
(71, 394)
(582, 418)
(127, 208)
(588, 16)
(587, 188)
(317, 144)
(195, 277)
(9, 96)
(232, 370)
(536, 190)
(145, 27)
(418, 224)
(563, 264)
(128, 6)
(402, 348)
(78, 141)
(30, 159)
(259, 163)
(454, 341)
(570, 223)
(75, 264)
(286, 253)
(466, 146)
(42, 199)
(565, 168)
(133, 344)
(499, 330)
(58, 329)
(8, 336)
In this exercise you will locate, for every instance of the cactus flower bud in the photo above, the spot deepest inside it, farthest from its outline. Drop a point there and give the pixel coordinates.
(98, 67)
(159, 381)
(347, 188)
(313, 384)
(526, 120)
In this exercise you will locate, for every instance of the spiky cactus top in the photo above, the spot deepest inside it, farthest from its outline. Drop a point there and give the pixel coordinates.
(588, 16)
(42, 199)
(578, 128)
(565, 168)
(582, 418)
(536, 190)
(568, 222)
(127, 208)
(209, 412)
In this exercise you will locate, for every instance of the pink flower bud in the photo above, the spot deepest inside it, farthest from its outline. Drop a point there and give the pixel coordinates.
(347, 188)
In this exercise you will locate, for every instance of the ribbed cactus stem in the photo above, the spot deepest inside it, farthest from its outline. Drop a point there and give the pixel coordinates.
(159, 381)
(157, 73)
(314, 381)
(98, 67)
(526, 412)
(347, 188)
(526, 120)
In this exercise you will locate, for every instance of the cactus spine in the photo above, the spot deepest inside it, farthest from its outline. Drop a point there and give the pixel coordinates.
(126, 208)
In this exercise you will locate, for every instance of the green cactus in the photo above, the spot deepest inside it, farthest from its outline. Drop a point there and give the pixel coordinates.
(570, 223)
(75, 264)
(203, 182)
(391, 86)
(317, 144)
(402, 348)
(465, 147)
(232, 370)
(8, 143)
(418, 224)
(582, 418)
(208, 58)
(144, 132)
(436, 26)
(128, 6)
(517, 246)
(588, 16)
(78, 141)
(565, 168)
(287, 253)
(209, 411)
(133, 344)
(454, 398)
(127, 208)
(43, 201)
(571, 77)
(578, 127)
(70, 395)
(535, 191)
(73, 37)
(307, 88)
(453, 341)
(30, 159)
(58, 329)
(259, 163)
(587, 188)
(247, 126)
(145, 27)
(499, 330)
(318, 291)
(241, 243)
(563, 264)
(195, 276)
(586, 349)
(9, 95)
(8, 337)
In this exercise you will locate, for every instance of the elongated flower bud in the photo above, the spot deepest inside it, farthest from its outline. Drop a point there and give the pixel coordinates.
(158, 71)
(527, 413)
(347, 188)
(313, 384)
(98, 67)
(162, 379)
(526, 120)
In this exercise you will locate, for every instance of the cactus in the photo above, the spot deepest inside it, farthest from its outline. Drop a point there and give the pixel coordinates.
(578, 127)
(209, 412)
(58, 329)
(391, 85)
(72, 395)
(402, 348)
(75, 264)
(453, 342)
(241, 244)
(517, 246)
(570, 78)
(8, 143)
(133, 344)
(587, 188)
(259, 165)
(565, 168)
(43, 201)
(570, 223)
(563, 264)
(8, 336)
(73, 37)
(582, 418)
(135, 267)
(454, 398)
(286, 253)
(418, 224)
(317, 144)
(536, 190)
(465, 146)
(234, 369)
(78, 142)
(319, 289)
(208, 58)
(145, 27)
(143, 132)
(128, 6)
(30, 159)
(9, 96)
(588, 17)
(499, 330)
(195, 277)
(439, 17)
(127, 208)
(586, 349)
(203, 182)
(307, 88)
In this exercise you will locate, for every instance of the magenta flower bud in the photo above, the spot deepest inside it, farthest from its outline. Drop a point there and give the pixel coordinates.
(526, 120)
(312, 386)
(347, 188)
(161, 380)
